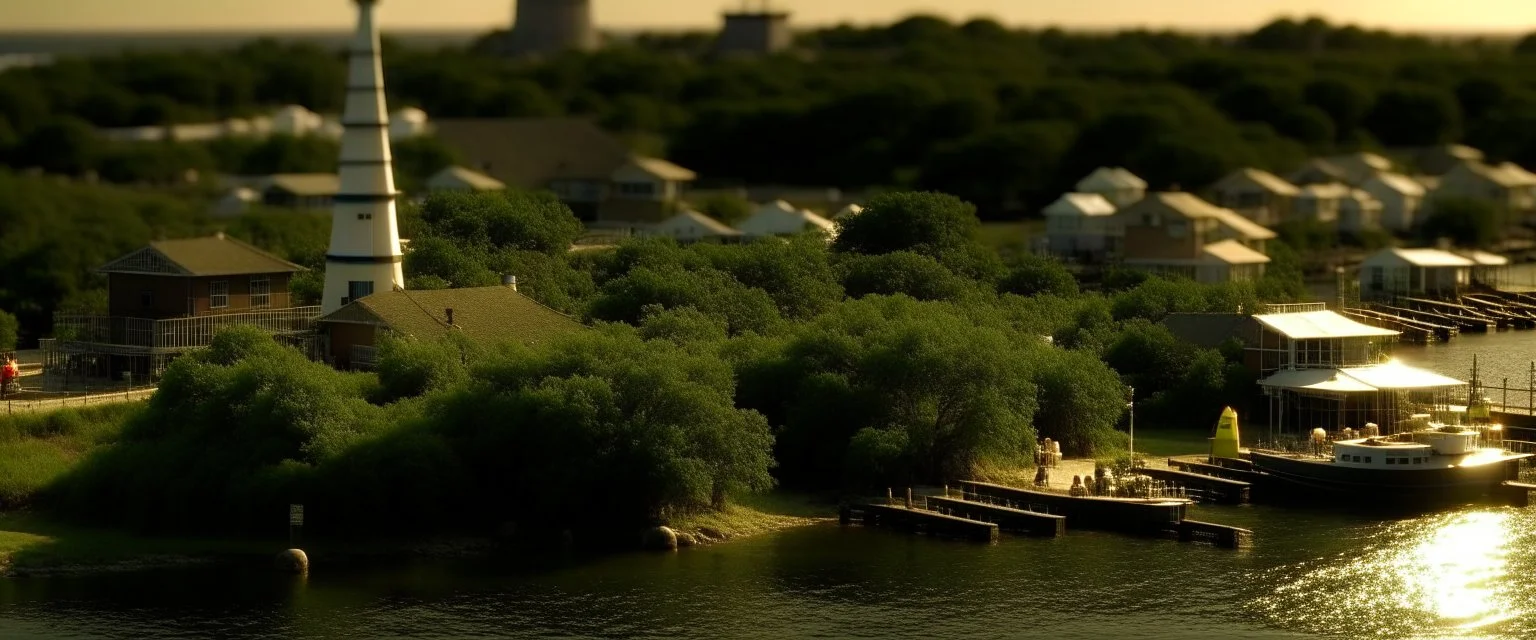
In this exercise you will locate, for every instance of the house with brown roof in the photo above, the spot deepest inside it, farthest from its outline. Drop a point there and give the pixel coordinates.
(490, 315)
(171, 296)
(1257, 195)
(593, 172)
(1180, 234)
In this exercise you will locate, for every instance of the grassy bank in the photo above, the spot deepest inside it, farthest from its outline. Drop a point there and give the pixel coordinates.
(1171, 442)
(31, 544)
(756, 514)
(36, 448)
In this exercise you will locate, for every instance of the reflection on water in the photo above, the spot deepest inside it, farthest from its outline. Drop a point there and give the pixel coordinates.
(1446, 575)
(1464, 574)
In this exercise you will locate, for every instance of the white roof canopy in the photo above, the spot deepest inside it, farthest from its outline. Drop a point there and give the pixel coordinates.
(1377, 377)
(1309, 325)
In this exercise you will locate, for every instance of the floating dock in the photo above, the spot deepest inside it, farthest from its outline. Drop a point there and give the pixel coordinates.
(919, 521)
(1006, 518)
(1207, 488)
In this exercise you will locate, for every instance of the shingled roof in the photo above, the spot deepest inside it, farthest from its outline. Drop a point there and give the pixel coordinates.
(483, 314)
(215, 255)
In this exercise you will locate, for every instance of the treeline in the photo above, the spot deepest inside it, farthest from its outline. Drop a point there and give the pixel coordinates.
(907, 351)
(1004, 118)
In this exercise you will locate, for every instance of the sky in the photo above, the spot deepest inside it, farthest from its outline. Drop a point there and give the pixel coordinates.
(177, 15)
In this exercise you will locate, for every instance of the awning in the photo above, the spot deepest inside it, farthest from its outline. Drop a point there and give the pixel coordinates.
(1377, 377)
(1316, 380)
(1394, 375)
(1319, 324)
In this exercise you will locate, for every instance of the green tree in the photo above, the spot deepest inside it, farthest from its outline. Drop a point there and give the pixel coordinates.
(9, 328)
(728, 208)
(1465, 221)
(66, 145)
(1035, 275)
(939, 226)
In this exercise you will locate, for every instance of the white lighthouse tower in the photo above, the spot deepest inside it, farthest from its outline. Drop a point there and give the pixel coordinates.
(365, 237)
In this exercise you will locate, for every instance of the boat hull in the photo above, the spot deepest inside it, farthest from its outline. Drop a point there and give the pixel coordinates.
(1301, 478)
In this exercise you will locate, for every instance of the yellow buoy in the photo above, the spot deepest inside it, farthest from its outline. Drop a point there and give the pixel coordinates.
(1224, 445)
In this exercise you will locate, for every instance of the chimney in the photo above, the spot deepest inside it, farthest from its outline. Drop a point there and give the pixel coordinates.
(509, 280)
(449, 312)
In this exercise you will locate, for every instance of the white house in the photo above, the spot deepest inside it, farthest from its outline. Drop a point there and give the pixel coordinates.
(1119, 186)
(779, 218)
(1359, 211)
(692, 226)
(1401, 197)
(1359, 167)
(848, 212)
(462, 179)
(1257, 195)
(1079, 226)
(1413, 272)
(1319, 202)
(1507, 186)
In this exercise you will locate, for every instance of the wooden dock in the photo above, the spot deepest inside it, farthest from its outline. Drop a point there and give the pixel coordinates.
(1216, 470)
(1006, 518)
(1221, 535)
(1128, 515)
(918, 521)
(1207, 488)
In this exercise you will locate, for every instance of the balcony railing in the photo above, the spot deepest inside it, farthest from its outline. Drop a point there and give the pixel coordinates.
(176, 334)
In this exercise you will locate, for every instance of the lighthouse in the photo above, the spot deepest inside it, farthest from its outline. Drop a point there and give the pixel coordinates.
(364, 256)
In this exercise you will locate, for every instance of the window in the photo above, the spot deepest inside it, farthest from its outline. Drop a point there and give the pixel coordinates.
(364, 216)
(357, 289)
(1177, 229)
(261, 290)
(1367, 459)
(637, 188)
(1378, 278)
(1391, 460)
(218, 294)
(147, 298)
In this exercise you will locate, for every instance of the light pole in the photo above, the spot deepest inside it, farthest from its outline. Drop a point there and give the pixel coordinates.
(1131, 403)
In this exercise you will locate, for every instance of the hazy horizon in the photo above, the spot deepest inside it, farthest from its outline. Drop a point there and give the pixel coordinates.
(173, 16)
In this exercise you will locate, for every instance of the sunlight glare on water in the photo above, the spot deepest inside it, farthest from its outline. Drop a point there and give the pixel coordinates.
(1438, 576)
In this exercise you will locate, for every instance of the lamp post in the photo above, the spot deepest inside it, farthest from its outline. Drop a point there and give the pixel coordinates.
(1131, 404)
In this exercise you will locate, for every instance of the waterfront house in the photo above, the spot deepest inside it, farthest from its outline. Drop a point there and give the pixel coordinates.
(1319, 369)
(1257, 195)
(1119, 186)
(171, 296)
(1488, 269)
(1320, 202)
(779, 218)
(463, 179)
(1401, 199)
(489, 315)
(692, 226)
(1507, 186)
(1317, 171)
(1359, 211)
(1180, 234)
(300, 190)
(1395, 272)
(1078, 227)
(591, 171)
(1359, 167)
(1437, 160)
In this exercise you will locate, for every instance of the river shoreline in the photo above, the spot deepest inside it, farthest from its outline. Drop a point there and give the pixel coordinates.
(32, 545)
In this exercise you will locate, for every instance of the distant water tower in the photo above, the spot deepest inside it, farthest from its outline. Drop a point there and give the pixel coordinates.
(552, 26)
(755, 29)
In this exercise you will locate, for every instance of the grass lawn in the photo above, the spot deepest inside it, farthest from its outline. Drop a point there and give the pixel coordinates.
(1170, 442)
(29, 542)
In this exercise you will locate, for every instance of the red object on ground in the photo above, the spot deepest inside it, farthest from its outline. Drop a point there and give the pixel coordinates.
(10, 372)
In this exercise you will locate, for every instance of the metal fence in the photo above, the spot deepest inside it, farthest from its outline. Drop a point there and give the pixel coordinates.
(62, 400)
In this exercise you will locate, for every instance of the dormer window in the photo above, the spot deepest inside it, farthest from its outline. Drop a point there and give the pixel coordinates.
(637, 188)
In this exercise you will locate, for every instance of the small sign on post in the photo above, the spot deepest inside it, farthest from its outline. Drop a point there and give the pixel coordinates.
(295, 522)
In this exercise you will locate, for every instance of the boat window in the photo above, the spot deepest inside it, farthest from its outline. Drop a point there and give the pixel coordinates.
(1391, 460)
(1367, 459)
